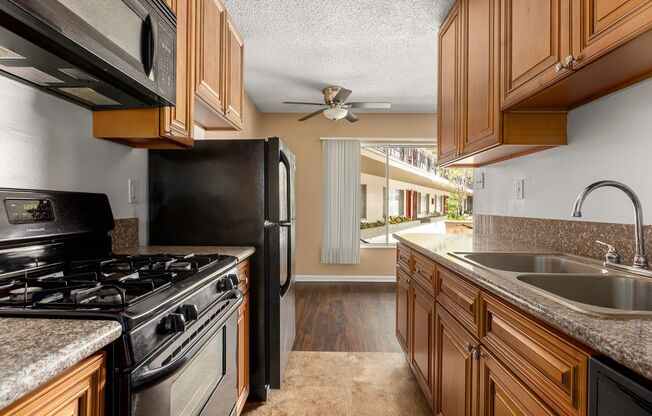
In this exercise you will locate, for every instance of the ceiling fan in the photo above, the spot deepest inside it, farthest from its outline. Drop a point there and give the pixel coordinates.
(336, 107)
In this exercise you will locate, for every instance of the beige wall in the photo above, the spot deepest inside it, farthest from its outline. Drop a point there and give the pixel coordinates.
(304, 138)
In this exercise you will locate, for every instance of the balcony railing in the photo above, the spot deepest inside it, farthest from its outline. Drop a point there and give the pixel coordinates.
(416, 157)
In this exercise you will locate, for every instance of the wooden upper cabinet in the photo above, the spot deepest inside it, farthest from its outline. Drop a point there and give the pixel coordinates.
(234, 74)
(449, 86)
(160, 127)
(209, 79)
(482, 120)
(536, 39)
(602, 25)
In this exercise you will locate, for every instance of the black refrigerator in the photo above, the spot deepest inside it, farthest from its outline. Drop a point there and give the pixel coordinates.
(237, 192)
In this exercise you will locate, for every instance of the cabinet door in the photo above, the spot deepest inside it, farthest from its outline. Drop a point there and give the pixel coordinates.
(456, 370)
(481, 110)
(536, 37)
(600, 26)
(422, 338)
(234, 74)
(502, 394)
(178, 120)
(209, 82)
(243, 352)
(402, 308)
(449, 86)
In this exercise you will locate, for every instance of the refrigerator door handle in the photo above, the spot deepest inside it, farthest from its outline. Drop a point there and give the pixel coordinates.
(285, 224)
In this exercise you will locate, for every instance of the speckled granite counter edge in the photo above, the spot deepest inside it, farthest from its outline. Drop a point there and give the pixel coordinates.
(34, 351)
(609, 340)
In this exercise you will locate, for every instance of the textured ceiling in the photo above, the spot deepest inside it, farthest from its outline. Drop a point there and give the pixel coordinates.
(383, 50)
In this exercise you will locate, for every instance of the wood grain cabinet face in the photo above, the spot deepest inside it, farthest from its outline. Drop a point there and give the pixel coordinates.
(402, 308)
(449, 93)
(502, 394)
(78, 391)
(422, 339)
(209, 80)
(482, 83)
(456, 371)
(599, 26)
(460, 298)
(536, 37)
(234, 73)
(179, 120)
(243, 353)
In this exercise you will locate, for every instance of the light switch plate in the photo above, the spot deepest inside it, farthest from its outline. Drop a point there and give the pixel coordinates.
(479, 181)
(133, 191)
(520, 194)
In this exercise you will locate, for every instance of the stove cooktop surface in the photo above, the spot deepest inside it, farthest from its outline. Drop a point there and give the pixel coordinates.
(115, 282)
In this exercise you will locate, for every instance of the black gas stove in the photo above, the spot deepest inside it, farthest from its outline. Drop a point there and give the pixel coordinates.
(175, 310)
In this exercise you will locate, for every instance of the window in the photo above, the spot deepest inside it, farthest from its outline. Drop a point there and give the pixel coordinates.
(400, 184)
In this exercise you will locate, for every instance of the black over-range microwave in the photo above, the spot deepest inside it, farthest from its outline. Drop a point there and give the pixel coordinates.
(101, 54)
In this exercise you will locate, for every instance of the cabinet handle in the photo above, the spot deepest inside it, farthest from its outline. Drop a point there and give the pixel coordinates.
(477, 354)
(168, 133)
(403, 258)
(559, 67)
(570, 59)
(469, 347)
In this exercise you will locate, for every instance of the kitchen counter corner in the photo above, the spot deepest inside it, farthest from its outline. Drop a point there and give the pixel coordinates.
(33, 350)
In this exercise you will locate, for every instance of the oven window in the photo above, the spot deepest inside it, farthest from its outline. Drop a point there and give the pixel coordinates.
(191, 390)
(116, 20)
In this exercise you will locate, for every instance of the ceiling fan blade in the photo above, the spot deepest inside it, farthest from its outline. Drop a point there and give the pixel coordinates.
(342, 95)
(311, 115)
(369, 105)
(301, 103)
(351, 117)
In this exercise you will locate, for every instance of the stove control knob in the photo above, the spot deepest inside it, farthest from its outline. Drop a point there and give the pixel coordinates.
(225, 284)
(190, 312)
(174, 322)
(234, 279)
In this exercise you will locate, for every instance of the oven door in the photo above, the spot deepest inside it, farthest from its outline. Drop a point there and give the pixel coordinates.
(201, 379)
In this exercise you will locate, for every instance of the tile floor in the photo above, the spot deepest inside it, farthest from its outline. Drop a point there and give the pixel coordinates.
(343, 384)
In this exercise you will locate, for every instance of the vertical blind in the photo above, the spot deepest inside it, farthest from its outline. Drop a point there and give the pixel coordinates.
(341, 202)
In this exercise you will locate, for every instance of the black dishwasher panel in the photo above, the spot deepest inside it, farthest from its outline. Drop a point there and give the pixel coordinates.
(615, 390)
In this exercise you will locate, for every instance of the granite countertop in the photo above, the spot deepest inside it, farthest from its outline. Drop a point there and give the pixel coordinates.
(241, 252)
(628, 341)
(33, 351)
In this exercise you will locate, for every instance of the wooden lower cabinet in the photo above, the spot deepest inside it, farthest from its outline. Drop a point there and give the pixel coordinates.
(244, 339)
(455, 367)
(402, 308)
(474, 354)
(422, 340)
(502, 394)
(78, 391)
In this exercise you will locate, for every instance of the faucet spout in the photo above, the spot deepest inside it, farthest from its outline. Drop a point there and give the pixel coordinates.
(640, 259)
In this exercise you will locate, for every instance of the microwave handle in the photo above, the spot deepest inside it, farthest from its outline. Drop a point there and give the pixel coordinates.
(154, 376)
(149, 43)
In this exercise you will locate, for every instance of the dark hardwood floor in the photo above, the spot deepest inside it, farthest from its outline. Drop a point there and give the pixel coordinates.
(351, 317)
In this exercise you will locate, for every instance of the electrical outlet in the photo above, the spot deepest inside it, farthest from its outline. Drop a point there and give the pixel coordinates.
(133, 191)
(520, 194)
(479, 181)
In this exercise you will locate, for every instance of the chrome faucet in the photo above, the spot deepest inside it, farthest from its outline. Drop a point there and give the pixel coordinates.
(640, 259)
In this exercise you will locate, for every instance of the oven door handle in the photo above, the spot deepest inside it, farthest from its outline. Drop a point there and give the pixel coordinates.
(150, 377)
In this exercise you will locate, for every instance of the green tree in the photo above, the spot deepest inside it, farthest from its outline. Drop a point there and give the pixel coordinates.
(462, 178)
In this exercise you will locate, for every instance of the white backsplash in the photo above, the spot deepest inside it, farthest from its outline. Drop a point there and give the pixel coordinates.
(610, 138)
(46, 143)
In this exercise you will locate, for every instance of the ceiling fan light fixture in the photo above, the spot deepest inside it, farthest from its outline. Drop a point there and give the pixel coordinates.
(335, 113)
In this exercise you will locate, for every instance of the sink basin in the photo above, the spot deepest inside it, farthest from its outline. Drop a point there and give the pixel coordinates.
(610, 295)
(530, 263)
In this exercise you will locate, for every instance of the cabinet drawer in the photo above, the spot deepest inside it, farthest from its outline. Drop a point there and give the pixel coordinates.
(243, 275)
(404, 258)
(556, 369)
(460, 298)
(423, 272)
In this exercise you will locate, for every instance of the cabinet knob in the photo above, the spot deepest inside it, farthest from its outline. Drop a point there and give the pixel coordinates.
(570, 59)
(559, 67)
(469, 347)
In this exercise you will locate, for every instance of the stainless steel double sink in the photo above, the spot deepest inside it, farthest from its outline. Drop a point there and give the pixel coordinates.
(579, 283)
